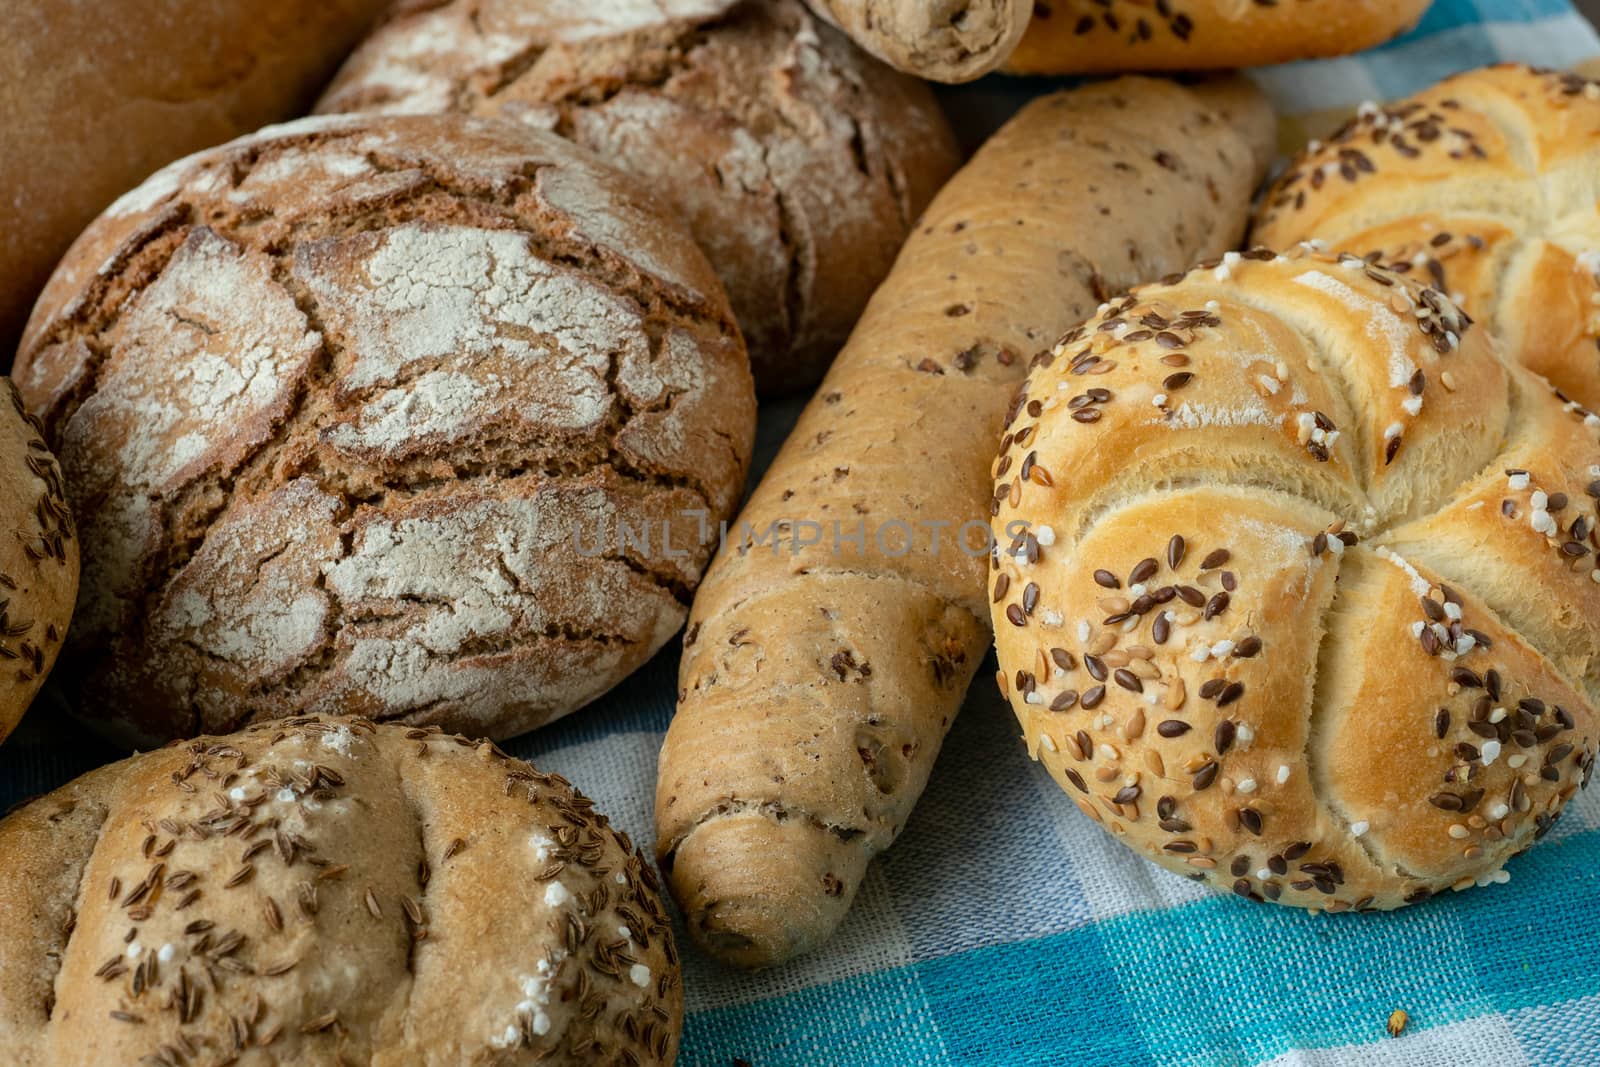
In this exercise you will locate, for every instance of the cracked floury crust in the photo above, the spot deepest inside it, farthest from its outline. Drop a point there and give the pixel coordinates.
(942, 40)
(1101, 36)
(1484, 185)
(38, 558)
(330, 891)
(823, 678)
(1331, 637)
(356, 409)
(799, 163)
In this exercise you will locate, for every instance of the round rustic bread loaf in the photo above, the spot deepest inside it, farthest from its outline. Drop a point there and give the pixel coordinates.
(38, 559)
(1485, 186)
(798, 162)
(332, 892)
(1308, 601)
(357, 413)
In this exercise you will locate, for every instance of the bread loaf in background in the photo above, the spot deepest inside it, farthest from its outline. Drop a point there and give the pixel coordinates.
(38, 558)
(818, 680)
(325, 891)
(420, 417)
(799, 162)
(941, 40)
(1299, 583)
(1487, 185)
(1106, 36)
(96, 97)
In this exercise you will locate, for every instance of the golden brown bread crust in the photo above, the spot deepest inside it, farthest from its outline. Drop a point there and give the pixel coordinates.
(798, 162)
(329, 891)
(1102, 36)
(817, 684)
(38, 558)
(145, 84)
(1485, 186)
(358, 410)
(1285, 612)
(941, 40)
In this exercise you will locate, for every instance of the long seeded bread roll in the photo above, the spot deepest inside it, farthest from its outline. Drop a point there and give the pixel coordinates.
(941, 40)
(1307, 601)
(1100, 36)
(97, 96)
(1487, 185)
(817, 684)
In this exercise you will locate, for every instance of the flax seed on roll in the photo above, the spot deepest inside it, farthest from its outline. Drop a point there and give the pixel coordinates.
(329, 891)
(355, 411)
(1305, 599)
(38, 558)
(1484, 186)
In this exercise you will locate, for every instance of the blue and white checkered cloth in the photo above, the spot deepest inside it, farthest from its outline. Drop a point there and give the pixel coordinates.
(1007, 928)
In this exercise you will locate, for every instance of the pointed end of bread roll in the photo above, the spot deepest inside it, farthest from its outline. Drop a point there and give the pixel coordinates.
(758, 891)
(949, 41)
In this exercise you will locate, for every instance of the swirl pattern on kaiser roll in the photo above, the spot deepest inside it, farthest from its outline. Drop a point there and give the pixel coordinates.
(355, 411)
(799, 162)
(330, 891)
(1486, 186)
(1307, 601)
(38, 558)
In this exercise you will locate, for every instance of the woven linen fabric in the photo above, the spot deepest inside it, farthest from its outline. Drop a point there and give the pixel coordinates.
(1006, 928)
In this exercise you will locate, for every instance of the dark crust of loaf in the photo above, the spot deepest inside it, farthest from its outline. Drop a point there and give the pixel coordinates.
(799, 162)
(217, 896)
(669, 428)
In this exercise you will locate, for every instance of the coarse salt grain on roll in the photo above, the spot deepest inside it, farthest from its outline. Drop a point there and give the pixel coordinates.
(1285, 611)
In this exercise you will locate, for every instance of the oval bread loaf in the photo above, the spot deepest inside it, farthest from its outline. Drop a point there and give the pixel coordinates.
(38, 558)
(941, 40)
(359, 410)
(1486, 186)
(1302, 597)
(797, 161)
(820, 674)
(1102, 36)
(329, 891)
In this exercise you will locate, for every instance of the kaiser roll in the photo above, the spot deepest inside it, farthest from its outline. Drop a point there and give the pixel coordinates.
(1304, 601)
(1486, 186)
